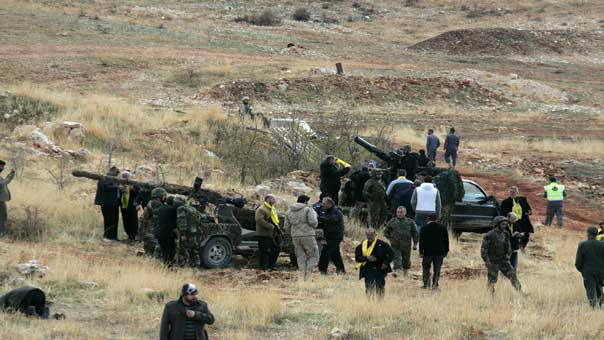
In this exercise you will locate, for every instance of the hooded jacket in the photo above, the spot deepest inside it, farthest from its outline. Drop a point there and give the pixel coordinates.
(426, 199)
(300, 220)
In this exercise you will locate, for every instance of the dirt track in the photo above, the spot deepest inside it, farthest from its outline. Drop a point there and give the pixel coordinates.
(578, 213)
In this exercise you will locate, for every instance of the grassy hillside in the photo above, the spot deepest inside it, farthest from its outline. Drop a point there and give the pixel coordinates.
(156, 87)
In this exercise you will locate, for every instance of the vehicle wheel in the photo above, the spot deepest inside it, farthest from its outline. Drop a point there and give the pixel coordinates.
(217, 253)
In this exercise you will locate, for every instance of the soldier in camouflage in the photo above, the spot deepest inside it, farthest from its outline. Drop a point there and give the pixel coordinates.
(188, 235)
(401, 231)
(149, 224)
(375, 193)
(496, 251)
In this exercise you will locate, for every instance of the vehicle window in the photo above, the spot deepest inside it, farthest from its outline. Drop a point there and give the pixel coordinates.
(473, 192)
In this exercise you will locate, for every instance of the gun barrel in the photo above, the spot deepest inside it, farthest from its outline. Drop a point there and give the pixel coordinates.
(373, 149)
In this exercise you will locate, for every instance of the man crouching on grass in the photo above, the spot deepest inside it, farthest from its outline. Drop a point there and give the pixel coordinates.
(373, 259)
(185, 318)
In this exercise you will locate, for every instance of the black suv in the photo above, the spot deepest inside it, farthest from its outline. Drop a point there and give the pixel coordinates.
(475, 212)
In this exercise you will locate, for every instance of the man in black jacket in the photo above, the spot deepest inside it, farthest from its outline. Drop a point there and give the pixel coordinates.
(520, 206)
(373, 259)
(590, 262)
(186, 318)
(331, 221)
(108, 197)
(330, 177)
(433, 247)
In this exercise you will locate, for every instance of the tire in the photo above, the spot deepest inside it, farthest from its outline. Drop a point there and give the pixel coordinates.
(217, 253)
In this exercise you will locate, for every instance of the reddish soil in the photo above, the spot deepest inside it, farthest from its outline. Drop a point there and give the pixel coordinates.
(578, 213)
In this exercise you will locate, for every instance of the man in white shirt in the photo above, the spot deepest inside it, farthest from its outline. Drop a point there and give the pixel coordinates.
(425, 202)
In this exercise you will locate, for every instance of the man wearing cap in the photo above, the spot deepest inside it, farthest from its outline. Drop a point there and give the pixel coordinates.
(186, 318)
(245, 109)
(590, 262)
(555, 193)
(4, 197)
(150, 222)
(496, 251)
(330, 176)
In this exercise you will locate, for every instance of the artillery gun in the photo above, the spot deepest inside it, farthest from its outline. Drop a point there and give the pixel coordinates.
(233, 231)
(448, 181)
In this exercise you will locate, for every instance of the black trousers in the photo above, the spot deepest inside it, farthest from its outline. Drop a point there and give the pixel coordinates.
(111, 218)
(593, 288)
(331, 251)
(268, 252)
(427, 263)
(168, 249)
(375, 282)
(130, 220)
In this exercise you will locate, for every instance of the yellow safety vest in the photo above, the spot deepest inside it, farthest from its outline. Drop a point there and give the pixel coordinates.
(555, 192)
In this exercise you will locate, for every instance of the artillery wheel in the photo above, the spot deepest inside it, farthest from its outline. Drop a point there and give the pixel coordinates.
(217, 253)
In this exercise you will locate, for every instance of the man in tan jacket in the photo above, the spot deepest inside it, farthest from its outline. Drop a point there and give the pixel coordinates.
(266, 220)
(4, 197)
(301, 222)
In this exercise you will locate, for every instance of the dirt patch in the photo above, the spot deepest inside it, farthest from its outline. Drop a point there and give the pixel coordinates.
(502, 41)
(359, 89)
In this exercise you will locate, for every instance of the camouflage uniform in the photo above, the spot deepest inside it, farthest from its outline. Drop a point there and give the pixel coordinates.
(188, 225)
(496, 251)
(401, 232)
(149, 225)
(375, 193)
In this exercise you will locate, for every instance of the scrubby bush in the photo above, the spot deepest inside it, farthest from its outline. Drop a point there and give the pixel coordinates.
(266, 18)
(301, 14)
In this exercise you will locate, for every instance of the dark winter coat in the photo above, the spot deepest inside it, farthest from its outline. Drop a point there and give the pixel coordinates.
(332, 223)
(107, 193)
(524, 223)
(173, 320)
(166, 219)
(330, 177)
(13, 299)
(433, 240)
(400, 195)
(423, 160)
(358, 180)
(383, 254)
(590, 256)
(409, 162)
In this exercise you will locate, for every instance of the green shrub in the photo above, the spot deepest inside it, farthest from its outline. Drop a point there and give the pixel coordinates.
(301, 14)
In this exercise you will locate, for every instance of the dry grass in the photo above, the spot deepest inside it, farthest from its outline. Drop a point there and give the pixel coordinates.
(562, 148)
(463, 308)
